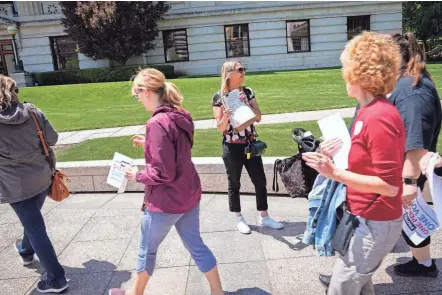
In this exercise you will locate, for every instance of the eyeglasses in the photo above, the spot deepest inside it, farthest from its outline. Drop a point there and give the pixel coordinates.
(136, 93)
(241, 70)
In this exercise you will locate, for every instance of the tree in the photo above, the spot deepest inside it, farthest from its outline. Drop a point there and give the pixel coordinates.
(424, 19)
(116, 30)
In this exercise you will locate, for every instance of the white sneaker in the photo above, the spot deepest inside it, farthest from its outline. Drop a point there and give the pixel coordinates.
(270, 222)
(242, 225)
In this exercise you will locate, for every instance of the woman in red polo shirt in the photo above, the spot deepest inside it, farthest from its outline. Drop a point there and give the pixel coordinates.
(371, 65)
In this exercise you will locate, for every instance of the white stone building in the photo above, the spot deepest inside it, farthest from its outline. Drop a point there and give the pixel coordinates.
(202, 35)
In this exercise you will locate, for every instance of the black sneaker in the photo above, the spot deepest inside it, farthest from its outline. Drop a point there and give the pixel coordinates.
(26, 260)
(414, 269)
(45, 287)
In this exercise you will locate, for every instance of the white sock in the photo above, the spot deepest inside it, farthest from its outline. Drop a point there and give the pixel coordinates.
(240, 219)
(427, 262)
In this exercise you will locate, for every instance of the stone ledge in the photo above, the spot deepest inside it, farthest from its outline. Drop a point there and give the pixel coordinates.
(90, 176)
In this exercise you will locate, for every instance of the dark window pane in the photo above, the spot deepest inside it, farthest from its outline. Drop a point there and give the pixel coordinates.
(65, 55)
(357, 24)
(237, 40)
(298, 36)
(175, 45)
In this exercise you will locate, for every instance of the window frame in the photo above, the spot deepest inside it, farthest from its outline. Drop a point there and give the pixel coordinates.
(54, 55)
(165, 48)
(248, 40)
(359, 16)
(309, 36)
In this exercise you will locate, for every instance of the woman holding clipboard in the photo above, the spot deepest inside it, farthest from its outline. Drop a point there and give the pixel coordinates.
(234, 150)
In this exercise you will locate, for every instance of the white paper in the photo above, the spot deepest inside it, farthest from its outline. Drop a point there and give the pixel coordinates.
(116, 177)
(420, 220)
(241, 112)
(334, 127)
(435, 185)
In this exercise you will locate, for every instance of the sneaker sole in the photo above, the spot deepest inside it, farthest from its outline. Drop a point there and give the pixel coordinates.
(25, 263)
(53, 290)
(428, 275)
(277, 228)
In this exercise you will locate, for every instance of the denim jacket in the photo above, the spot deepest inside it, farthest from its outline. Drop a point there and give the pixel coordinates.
(324, 199)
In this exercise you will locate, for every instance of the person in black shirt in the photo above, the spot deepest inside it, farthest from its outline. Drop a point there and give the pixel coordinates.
(418, 102)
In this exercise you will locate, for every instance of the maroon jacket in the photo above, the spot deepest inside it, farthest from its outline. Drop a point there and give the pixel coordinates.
(172, 183)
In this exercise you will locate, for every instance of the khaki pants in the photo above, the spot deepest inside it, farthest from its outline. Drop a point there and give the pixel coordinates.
(373, 240)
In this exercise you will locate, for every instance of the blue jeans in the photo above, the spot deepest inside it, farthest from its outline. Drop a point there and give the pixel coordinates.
(155, 227)
(36, 240)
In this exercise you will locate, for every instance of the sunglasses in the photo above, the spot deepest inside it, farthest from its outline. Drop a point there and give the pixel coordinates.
(241, 70)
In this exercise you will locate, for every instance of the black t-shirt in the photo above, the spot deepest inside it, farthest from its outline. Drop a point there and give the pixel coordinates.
(420, 109)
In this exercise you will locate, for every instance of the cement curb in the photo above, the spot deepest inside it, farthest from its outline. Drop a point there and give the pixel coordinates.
(90, 176)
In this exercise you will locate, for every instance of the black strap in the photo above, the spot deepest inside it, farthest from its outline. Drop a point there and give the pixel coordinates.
(371, 203)
(275, 176)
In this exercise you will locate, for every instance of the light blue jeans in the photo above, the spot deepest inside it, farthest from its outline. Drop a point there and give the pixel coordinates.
(155, 227)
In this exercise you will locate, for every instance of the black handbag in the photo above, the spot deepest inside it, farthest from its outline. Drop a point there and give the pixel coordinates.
(255, 148)
(346, 229)
(297, 177)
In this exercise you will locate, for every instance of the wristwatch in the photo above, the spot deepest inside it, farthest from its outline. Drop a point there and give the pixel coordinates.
(410, 181)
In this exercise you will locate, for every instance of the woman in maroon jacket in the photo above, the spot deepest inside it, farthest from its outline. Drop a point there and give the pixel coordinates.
(173, 188)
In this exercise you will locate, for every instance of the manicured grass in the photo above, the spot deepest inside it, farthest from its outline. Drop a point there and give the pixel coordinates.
(93, 106)
(207, 144)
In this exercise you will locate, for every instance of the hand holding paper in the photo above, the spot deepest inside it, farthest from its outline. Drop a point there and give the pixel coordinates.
(333, 127)
(131, 173)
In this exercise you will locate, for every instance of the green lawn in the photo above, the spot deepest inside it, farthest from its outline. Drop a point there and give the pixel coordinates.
(207, 144)
(92, 106)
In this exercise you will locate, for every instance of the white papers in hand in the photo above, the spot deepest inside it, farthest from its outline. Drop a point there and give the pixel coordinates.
(116, 177)
(435, 186)
(420, 220)
(334, 127)
(241, 112)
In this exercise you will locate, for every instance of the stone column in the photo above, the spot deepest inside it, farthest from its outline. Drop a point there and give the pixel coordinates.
(26, 8)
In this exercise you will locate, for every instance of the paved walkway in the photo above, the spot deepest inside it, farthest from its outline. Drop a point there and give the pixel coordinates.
(80, 136)
(96, 239)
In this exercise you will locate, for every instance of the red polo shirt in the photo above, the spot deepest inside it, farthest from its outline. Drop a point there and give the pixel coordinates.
(378, 149)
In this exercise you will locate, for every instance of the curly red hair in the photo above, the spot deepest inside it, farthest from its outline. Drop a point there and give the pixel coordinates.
(372, 61)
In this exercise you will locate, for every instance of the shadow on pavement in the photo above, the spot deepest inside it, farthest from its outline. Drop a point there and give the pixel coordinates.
(93, 279)
(291, 229)
(410, 285)
(249, 291)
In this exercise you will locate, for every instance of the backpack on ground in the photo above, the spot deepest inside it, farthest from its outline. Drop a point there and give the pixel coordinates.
(297, 177)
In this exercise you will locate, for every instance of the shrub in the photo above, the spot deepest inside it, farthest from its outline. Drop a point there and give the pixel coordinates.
(80, 76)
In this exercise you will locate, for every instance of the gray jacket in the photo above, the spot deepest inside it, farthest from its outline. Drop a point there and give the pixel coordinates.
(24, 170)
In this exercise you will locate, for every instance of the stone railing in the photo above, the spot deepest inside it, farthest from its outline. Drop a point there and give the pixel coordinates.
(91, 176)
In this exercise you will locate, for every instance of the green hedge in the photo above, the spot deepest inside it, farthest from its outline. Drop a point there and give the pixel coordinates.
(80, 76)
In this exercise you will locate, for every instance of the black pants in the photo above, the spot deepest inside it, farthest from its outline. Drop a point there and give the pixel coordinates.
(234, 159)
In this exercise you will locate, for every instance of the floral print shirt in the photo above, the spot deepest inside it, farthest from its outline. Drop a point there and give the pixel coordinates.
(229, 135)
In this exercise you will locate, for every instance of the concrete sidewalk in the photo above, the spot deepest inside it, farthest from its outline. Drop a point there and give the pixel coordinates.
(75, 137)
(96, 239)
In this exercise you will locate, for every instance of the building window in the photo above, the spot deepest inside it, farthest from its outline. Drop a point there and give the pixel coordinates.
(298, 36)
(357, 24)
(175, 45)
(237, 40)
(64, 53)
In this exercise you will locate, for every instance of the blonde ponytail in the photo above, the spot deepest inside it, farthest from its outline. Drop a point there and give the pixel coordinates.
(154, 80)
(172, 95)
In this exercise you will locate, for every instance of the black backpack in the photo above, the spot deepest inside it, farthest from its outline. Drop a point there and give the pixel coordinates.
(297, 177)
